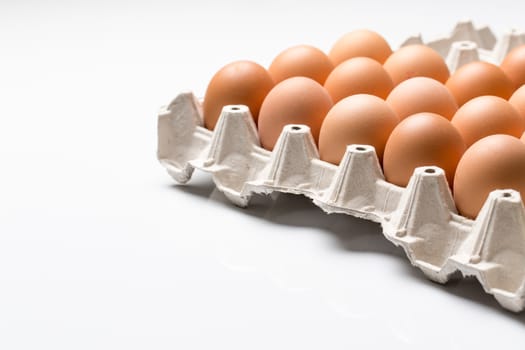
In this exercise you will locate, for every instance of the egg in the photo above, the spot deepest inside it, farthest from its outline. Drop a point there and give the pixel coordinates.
(487, 115)
(302, 60)
(416, 61)
(513, 66)
(518, 100)
(296, 100)
(494, 162)
(360, 43)
(240, 82)
(422, 94)
(477, 79)
(422, 139)
(360, 75)
(358, 119)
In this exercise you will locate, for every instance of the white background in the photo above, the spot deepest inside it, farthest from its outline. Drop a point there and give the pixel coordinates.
(99, 249)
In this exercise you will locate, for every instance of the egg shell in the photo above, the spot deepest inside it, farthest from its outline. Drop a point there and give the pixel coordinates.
(518, 101)
(419, 140)
(422, 94)
(296, 100)
(477, 79)
(487, 115)
(494, 162)
(513, 66)
(416, 61)
(358, 119)
(241, 82)
(360, 75)
(302, 60)
(360, 43)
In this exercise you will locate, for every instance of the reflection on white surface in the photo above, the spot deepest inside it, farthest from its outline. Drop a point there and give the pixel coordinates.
(352, 269)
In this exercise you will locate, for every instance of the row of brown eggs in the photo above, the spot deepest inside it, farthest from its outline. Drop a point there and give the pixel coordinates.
(404, 103)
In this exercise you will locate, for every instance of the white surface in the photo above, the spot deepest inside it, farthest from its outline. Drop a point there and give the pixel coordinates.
(99, 249)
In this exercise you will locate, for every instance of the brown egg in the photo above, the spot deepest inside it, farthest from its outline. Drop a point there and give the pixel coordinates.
(522, 138)
(360, 75)
(422, 94)
(487, 115)
(360, 43)
(240, 82)
(296, 100)
(494, 162)
(358, 119)
(514, 66)
(416, 61)
(477, 79)
(518, 100)
(422, 139)
(301, 61)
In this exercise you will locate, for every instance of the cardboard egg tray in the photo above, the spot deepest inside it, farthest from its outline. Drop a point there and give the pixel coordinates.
(421, 218)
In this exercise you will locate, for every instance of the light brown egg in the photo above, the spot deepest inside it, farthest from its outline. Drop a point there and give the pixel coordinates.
(422, 94)
(477, 79)
(360, 43)
(358, 119)
(360, 75)
(487, 115)
(416, 61)
(422, 139)
(240, 82)
(301, 61)
(513, 66)
(494, 162)
(296, 100)
(518, 100)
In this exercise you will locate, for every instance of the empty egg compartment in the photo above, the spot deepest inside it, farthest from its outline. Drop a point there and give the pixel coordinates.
(421, 218)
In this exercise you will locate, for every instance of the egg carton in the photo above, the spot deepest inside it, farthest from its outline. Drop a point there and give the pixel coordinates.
(421, 218)
(466, 43)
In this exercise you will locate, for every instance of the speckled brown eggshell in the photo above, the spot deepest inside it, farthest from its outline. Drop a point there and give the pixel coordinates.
(301, 61)
(422, 94)
(358, 119)
(360, 43)
(416, 61)
(360, 75)
(423, 139)
(494, 162)
(296, 100)
(487, 115)
(240, 82)
(477, 79)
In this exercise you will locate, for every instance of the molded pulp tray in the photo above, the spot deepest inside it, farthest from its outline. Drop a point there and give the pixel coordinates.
(421, 218)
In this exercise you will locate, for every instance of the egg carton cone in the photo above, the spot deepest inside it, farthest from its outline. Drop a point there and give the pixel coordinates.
(421, 218)
(466, 43)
